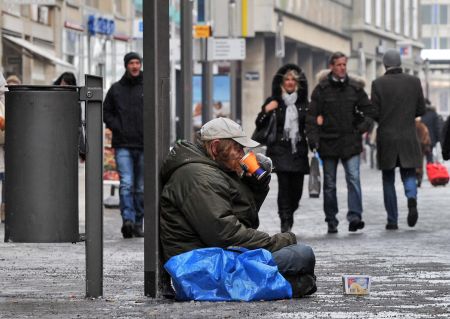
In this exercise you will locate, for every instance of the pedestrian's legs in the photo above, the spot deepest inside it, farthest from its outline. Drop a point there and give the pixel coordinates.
(124, 162)
(354, 196)
(429, 156)
(284, 201)
(138, 159)
(330, 205)
(390, 197)
(296, 190)
(409, 182)
(410, 186)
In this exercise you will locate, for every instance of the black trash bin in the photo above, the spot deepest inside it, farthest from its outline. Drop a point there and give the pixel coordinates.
(41, 164)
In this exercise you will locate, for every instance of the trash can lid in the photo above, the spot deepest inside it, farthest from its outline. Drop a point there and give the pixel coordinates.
(42, 88)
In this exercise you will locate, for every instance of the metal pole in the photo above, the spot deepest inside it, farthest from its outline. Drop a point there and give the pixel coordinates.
(156, 131)
(186, 68)
(233, 64)
(92, 93)
(207, 81)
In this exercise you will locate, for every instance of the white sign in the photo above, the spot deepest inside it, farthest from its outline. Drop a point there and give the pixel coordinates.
(226, 49)
(39, 2)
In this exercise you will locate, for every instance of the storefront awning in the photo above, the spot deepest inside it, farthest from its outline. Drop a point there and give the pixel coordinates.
(34, 49)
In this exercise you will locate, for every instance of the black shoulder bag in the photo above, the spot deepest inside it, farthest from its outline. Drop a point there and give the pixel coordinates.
(267, 134)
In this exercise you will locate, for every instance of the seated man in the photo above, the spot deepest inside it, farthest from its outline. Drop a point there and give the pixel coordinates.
(209, 201)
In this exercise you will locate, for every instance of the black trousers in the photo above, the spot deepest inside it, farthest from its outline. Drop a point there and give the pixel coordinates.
(290, 189)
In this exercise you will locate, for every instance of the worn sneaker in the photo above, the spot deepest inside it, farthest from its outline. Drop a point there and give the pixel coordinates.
(302, 285)
(391, 226)
(127, 229)
(355, 225)
(413, 214)
(138, 231)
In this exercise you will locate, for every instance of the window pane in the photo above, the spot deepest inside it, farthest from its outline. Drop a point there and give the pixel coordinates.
(443, 43)
(425, 14)
(406, 17)
(398, 16)
(426, 43)
(443, 18)
(378, 13)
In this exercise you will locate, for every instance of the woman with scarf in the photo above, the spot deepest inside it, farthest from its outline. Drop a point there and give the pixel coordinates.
(289, 153)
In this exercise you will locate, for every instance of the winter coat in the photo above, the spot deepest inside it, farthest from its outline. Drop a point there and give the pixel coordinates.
(123, 112)
(398, 100)
(281, 151)
(202, 205)
(342, 104)
(431, 120)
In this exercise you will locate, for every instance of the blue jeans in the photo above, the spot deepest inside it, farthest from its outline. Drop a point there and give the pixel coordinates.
(354, 196)
(130, 165)
(408, 176)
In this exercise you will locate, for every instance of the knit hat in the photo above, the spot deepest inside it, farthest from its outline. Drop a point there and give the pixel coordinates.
(392, 58)
(130, 56)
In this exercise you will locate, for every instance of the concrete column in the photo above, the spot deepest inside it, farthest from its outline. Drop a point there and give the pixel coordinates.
(305, 61)
(253, 77)
(291, 53)
(271, 64)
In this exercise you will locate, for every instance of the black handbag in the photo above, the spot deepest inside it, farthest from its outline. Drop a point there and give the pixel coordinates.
(267, 135)
(314, 177)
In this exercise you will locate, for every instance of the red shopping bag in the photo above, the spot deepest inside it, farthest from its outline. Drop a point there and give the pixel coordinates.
(437, 174)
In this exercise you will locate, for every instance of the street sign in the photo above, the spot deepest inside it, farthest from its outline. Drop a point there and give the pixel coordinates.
(226, 49)
(202, 31)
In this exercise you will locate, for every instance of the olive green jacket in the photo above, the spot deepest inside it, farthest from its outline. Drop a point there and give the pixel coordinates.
(203, 205)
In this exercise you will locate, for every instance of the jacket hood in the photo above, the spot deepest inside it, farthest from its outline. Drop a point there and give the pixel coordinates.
(278, 80)
(354, 79)
(181, 154)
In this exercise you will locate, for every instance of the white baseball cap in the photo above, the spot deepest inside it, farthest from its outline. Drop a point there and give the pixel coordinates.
(223, 127)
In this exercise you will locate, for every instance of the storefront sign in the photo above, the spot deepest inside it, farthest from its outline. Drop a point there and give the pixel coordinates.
(100, 25)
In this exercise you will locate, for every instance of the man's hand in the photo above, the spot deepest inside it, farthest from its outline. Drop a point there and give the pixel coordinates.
(262, 183)
(265, 162)
(319, 120)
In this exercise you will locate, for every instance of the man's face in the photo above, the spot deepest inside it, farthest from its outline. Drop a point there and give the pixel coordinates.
(228, 153)
(339, 67)
(134, 67)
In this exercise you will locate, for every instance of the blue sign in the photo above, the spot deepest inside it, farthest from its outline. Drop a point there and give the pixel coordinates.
(100, 25)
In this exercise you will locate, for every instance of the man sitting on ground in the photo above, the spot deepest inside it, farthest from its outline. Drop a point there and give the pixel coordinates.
(208, 201)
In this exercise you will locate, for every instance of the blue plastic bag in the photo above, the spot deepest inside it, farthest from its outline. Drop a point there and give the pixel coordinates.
(216, 274)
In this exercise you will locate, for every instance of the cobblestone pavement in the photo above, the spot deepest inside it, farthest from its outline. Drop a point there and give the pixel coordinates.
(410, 268)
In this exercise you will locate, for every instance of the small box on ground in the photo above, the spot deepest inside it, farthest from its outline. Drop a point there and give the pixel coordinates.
(356, 284)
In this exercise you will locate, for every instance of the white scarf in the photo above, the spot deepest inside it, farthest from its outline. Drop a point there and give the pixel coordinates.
(291, 120)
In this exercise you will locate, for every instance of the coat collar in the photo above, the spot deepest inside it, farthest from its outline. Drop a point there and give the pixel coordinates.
(394, 71)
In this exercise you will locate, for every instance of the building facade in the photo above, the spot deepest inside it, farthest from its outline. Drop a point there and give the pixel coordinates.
(42, 39)
(436, 38)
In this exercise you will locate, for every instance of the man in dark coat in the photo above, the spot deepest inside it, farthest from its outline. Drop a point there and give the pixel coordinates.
(123, 115)
(334, 125)
(398, 100)
(432, 121)
(208, 201)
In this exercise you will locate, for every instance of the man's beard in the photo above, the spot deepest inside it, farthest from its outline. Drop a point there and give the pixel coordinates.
(226, 160)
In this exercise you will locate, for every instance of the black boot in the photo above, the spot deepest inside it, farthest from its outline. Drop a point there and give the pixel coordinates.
(413, 214)
(302, 285)
(127, 229)
(286, 223)
(138, 231)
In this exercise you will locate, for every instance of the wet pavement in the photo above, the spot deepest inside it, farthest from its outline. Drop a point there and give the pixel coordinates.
(410, 268)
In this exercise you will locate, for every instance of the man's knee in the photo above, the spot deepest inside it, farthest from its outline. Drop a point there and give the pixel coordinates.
(295, 259)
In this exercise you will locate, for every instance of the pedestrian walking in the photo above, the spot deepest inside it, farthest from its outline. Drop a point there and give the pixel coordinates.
(335, 124)
(398, 100)
(208, 201)
(425, 146)
(289, 152)
(432, 121)
(123, 115)
(66, 78)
